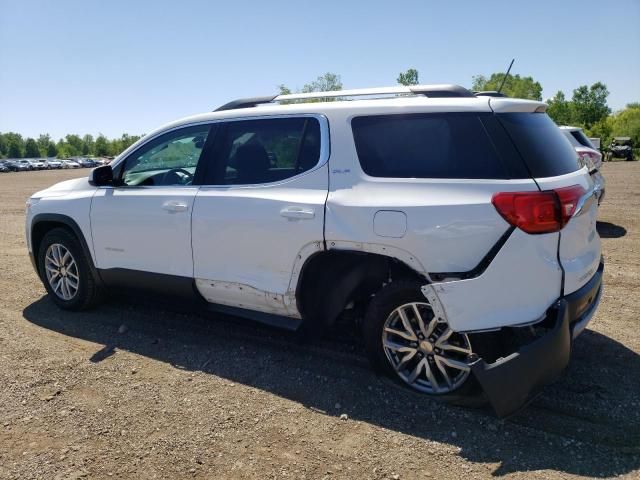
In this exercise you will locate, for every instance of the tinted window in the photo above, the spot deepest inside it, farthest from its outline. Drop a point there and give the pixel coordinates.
(264, 151)
(542, 145)
(451, 145)
(582, 138)
(170, 159)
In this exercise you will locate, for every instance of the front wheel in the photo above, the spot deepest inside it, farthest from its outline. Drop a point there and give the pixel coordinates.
(405, 339)
(65, 271)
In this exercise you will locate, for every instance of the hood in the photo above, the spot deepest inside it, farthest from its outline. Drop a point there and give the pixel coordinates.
(63, 188)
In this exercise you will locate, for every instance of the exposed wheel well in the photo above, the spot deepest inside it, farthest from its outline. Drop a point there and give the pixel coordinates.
(331, 280)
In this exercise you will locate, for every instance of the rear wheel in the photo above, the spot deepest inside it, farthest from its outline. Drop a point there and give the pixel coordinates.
(406, 340)
(65, 271)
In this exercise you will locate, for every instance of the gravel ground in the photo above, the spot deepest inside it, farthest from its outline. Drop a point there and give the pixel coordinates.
(135, 390)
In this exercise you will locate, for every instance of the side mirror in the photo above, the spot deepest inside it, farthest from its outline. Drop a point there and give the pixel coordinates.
(101, 176)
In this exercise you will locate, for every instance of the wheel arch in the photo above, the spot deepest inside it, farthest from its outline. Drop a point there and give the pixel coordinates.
(45, 222)
(331, 279)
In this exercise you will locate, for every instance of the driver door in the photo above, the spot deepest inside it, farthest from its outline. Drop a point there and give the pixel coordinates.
(143, 222)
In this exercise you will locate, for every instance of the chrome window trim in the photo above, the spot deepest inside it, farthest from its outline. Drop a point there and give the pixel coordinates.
(325, 148)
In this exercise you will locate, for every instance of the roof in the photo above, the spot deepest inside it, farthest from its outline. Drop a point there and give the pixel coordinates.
(378, 101)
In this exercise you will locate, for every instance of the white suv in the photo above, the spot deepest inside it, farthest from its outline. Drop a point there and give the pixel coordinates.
(459, 229)
(588, 155)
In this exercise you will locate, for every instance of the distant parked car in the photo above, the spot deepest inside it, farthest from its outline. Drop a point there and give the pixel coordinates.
(24, 165)
(11, 165)
(87, 162)
(70, 164)
(589, 156)
(53, 163)
(620, 148)
(37, 163)
(3, 167)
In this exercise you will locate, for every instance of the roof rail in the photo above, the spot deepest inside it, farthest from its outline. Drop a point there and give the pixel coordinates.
(431, 91)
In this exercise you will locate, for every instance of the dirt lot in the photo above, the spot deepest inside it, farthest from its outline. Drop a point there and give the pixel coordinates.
(181, 395)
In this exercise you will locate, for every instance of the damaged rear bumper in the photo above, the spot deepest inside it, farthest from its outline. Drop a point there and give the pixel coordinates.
(511, 382)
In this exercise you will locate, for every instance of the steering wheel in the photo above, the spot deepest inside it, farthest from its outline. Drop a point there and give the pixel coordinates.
(174, 177)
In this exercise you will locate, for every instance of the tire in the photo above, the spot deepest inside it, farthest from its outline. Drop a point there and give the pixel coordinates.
(87, 292)
(381, 310)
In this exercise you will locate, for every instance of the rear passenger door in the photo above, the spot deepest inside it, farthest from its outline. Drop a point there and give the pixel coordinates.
(260, 212)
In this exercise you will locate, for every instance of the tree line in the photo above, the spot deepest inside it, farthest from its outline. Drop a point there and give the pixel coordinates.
(587, 108)
(13, 145)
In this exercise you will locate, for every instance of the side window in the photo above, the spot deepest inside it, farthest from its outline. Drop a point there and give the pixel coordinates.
(264, 151)
(432, 145)
(170, 159)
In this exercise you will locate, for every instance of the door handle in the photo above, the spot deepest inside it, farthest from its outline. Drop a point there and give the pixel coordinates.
(174, 206)
(297, 212)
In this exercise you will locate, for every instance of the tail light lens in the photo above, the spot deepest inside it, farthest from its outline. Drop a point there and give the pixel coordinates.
(539, 212)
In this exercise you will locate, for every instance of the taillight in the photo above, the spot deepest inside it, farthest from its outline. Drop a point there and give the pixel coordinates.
(538, 212)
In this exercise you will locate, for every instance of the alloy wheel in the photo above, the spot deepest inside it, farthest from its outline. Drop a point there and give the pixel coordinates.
(62, 271)
(424, 352)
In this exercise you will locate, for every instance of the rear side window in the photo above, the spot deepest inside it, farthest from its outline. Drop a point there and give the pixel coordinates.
(542, 145)
(582, 138)
(432, 145)
(265, 150)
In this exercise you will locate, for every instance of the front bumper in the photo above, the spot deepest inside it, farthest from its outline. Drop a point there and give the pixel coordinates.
(511, 382)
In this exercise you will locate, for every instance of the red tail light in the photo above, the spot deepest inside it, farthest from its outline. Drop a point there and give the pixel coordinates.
(538, 212)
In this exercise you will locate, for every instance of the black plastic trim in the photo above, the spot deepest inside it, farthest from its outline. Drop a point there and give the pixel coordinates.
(511, 382)
(279, 321)
(183, 288)
(159, 283)
(245, 103)
(441, 91)
(482, 266)
(71, 223)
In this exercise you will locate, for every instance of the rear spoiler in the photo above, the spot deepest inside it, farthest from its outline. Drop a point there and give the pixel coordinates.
(505, 105)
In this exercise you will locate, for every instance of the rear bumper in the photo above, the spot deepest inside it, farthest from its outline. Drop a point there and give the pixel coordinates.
(511, 382)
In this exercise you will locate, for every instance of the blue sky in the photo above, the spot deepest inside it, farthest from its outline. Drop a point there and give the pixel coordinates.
(71, 66)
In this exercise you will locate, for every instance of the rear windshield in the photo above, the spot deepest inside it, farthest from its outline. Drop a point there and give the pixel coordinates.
(581, 138)
(433, 145)
(541, 143)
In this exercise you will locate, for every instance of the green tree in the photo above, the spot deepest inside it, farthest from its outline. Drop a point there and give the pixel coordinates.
(626, 123)
(515, 86)
(63, 149)
(324, 83)
(74, 145)
(52, 151)
(88, 145)
(410, 77)
(284, 90)
(15, 145)
(102, 146)
(4, 145)
(31, 149)
(43, 142)
(589, 104)
(560, 109)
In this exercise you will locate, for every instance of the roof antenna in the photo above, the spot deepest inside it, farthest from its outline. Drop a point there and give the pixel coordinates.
(506, 75)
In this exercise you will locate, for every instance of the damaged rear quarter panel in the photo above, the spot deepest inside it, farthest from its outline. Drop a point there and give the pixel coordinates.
(504, 295)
